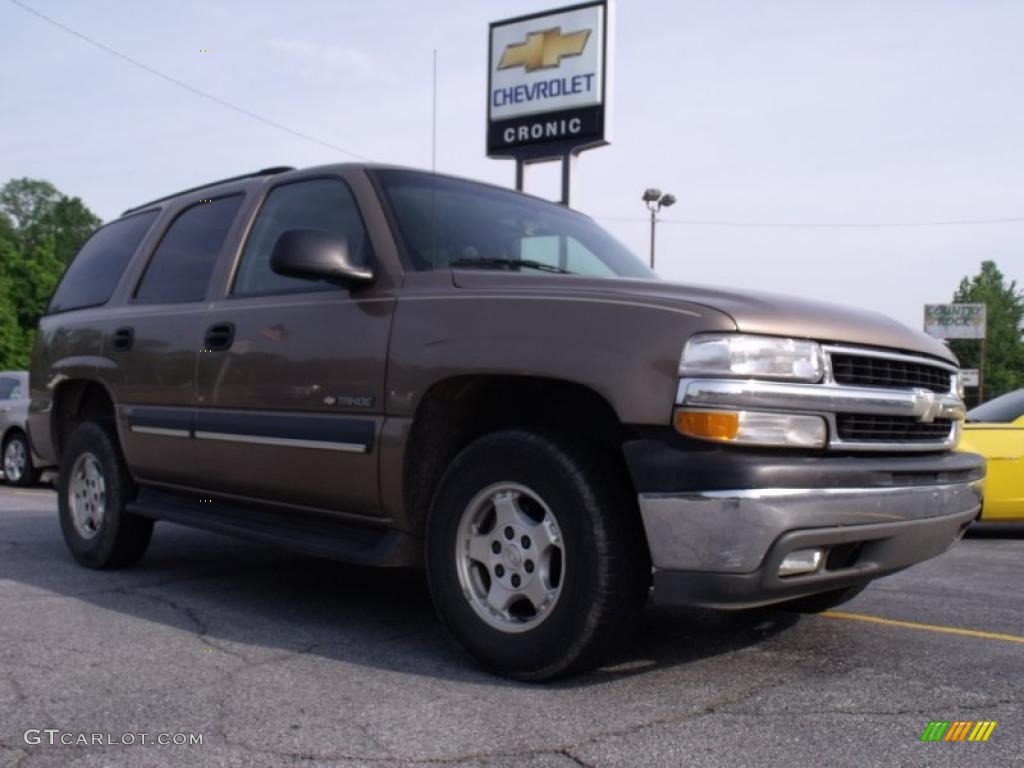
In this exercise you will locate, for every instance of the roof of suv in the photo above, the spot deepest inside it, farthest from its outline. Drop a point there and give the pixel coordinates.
(278, 169)
(255, 174)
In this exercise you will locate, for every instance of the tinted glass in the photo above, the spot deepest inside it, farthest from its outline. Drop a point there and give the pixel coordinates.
(181, 267)
(96, 270)
(565, 253)
(443, 221)
(1001, 410)
(323, 204)
(9, 389)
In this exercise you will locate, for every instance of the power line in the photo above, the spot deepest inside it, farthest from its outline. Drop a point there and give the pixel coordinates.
(186, 86)
(827, 225)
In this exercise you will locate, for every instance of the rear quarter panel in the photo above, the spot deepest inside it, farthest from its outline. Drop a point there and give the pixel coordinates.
(67, 346)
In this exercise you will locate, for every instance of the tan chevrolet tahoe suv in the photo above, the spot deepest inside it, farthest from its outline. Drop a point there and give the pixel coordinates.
(397, 368)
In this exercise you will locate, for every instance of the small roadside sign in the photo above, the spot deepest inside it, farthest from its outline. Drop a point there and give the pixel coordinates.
(955, 321)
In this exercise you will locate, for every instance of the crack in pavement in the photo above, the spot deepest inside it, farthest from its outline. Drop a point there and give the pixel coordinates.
(567, 751)
(192, 614)
(575, 758)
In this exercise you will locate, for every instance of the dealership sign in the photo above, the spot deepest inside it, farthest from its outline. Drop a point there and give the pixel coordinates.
(955, 321)
(547, 83)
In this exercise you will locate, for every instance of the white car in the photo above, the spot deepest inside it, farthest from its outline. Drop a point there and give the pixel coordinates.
(21, 466)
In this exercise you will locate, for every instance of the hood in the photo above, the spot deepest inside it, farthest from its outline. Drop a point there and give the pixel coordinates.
(751, 311)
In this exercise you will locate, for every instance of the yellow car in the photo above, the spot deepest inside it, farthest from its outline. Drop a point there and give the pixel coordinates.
(996, 430)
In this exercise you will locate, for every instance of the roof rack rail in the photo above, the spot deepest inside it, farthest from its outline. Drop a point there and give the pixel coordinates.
(263, 172)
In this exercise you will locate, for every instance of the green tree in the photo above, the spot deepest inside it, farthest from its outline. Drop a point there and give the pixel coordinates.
(12, 338)
(36, 210)
(40, 231)
(1004, 347)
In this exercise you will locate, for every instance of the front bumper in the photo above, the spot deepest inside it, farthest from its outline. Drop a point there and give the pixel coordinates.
(721, 545)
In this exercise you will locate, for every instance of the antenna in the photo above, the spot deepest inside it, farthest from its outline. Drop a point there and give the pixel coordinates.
(433, 130)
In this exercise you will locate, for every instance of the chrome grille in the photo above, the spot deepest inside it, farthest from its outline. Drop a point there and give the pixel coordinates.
(855, 427)
(864, 371)
(871, 399)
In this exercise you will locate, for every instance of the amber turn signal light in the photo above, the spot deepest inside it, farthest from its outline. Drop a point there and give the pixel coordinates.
(710, 425)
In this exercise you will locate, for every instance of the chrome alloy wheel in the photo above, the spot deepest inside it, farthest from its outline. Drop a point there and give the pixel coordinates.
(510, 557)
(87, 492)
(15, 460)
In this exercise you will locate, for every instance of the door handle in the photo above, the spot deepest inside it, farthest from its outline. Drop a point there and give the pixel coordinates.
(123, 338)
(219, 337)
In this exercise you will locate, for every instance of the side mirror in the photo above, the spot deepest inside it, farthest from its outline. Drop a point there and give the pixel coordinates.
(313, 254)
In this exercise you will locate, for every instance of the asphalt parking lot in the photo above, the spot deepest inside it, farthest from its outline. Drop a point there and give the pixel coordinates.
(282, 660)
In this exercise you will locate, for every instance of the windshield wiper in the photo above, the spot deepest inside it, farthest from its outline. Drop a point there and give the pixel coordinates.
(481, 261)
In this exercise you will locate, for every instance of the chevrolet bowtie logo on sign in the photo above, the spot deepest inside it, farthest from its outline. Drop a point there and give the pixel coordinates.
(544, 50)
(958, 730)
(546, 82)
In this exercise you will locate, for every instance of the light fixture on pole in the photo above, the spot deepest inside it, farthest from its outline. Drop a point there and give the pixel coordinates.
(655, 202)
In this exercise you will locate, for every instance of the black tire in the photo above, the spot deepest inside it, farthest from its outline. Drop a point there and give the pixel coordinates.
(606, 575)
(120, 538)
(822, 601)
(29, 473)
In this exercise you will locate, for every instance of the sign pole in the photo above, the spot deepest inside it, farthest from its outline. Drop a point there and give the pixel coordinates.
(568, 161)
(520, 173)
(981, 373)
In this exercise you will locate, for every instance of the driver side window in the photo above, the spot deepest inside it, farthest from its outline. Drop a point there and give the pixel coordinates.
(322, 204)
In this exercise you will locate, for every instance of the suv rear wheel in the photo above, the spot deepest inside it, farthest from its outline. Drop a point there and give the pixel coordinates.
(92, 490)
(18, 467)
(535, 555)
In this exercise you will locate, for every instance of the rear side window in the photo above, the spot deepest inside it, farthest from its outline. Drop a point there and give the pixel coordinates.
(9, 388)
(323, 204)
(180, 269)
(96, 270)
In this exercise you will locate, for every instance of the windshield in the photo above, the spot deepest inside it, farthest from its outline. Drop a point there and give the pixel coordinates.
(1001, 410)
(445, 223)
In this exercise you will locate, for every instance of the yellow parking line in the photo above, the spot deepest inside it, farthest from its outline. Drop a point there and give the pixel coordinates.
(926, 627)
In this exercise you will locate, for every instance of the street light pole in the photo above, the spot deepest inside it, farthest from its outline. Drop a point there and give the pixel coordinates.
(655, 202)
(654, 221)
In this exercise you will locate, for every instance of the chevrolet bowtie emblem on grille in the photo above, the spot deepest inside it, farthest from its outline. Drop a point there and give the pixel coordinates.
(927, 406)
(544, 50)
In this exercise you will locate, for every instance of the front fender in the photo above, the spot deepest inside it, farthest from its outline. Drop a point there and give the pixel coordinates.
(625, 350)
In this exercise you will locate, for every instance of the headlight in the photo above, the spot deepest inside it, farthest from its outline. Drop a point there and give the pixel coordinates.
(755, 357)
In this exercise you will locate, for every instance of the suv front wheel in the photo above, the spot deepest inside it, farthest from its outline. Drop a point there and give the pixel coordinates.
(535, 555)
(92, 490)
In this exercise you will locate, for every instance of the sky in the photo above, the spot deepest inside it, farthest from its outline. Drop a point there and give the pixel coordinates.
(777, 125)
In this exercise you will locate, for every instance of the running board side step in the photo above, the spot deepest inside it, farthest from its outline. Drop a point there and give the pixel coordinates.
(311, 534)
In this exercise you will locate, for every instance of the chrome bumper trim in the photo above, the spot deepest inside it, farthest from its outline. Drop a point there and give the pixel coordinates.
(732, 531)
